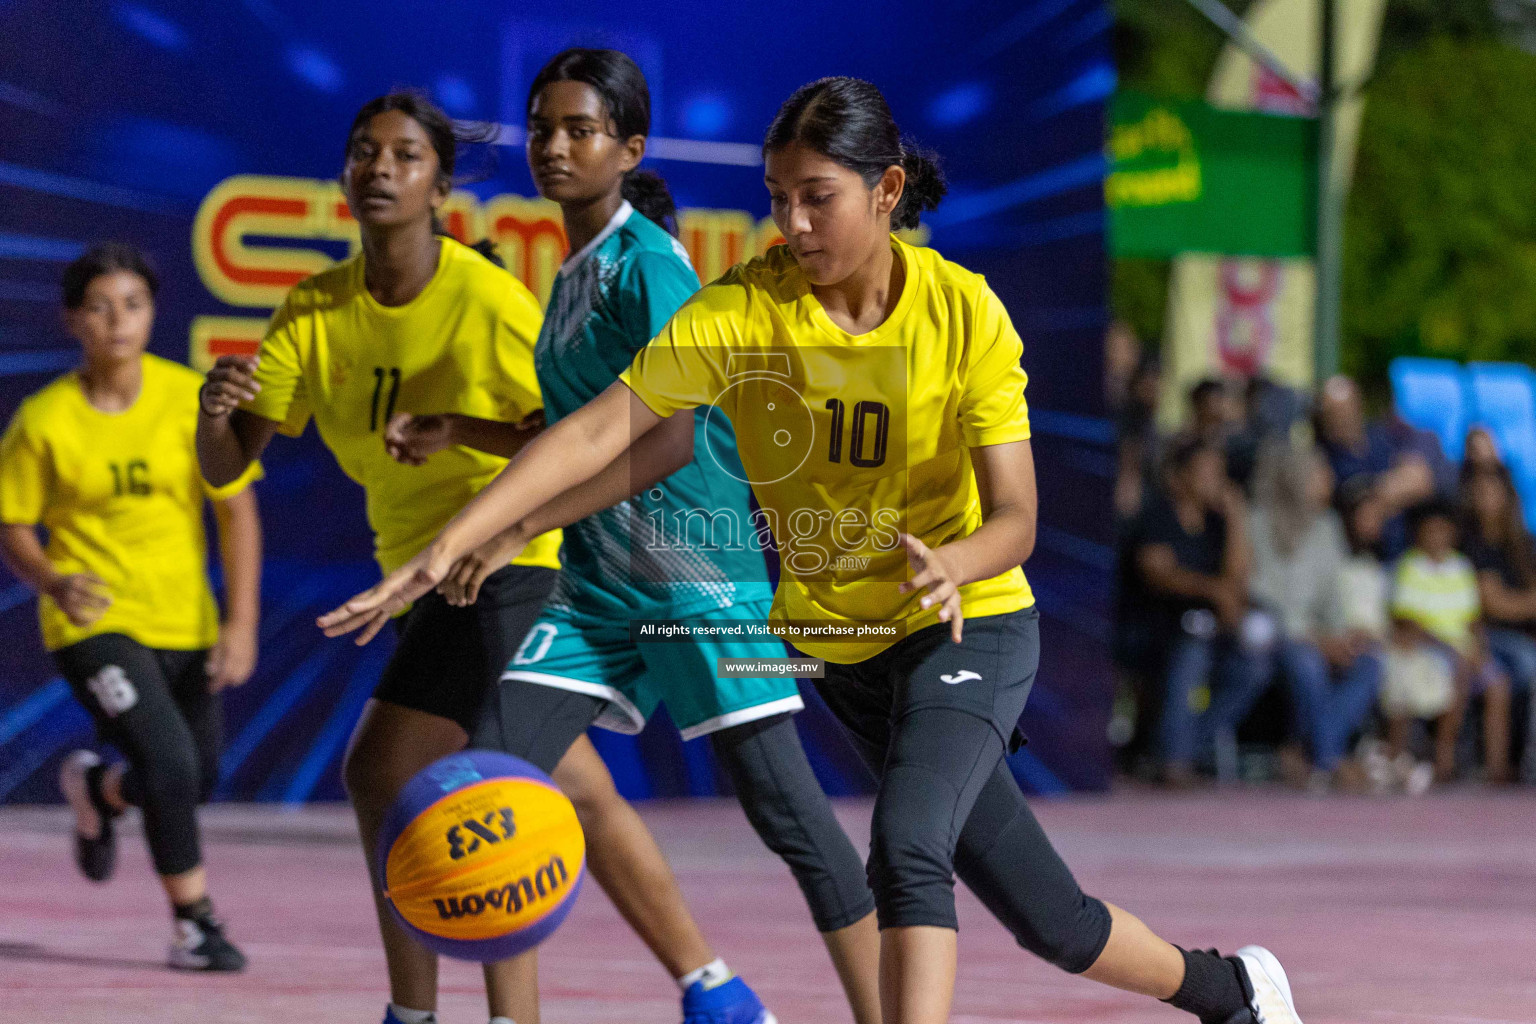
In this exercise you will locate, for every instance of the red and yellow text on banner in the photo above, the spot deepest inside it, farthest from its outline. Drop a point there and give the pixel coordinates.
(255, 237)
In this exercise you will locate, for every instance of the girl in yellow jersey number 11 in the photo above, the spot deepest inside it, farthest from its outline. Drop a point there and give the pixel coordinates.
(933, 713)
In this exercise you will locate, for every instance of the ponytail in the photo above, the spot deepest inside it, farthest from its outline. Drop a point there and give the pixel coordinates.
(925, 185)
(647, 192)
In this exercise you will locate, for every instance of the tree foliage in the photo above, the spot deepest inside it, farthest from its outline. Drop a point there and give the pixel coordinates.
(1440, 231)
(1440, 254)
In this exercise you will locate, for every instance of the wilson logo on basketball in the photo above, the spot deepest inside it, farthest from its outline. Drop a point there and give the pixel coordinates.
(548, 881)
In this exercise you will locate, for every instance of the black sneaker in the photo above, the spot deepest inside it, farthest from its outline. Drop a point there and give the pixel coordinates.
(97, 857)
(201, 946)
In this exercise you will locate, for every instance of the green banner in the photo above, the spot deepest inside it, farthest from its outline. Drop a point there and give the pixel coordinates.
(1188, 177)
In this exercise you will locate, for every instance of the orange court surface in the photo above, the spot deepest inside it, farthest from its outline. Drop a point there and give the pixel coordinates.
(1384, 911)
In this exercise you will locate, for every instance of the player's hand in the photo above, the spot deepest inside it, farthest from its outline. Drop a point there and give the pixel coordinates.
(232, 380)
(462, 585)
(931, 571)
(81, 596)
(411, 439)
(371, 610)
(233, 658)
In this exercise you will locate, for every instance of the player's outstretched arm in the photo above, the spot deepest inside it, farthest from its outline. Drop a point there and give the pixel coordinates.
(653, 457)
(570, 453)
(1005, 480)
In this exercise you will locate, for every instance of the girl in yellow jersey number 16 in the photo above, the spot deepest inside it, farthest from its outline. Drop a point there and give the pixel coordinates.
(933, 711)
(103, 459)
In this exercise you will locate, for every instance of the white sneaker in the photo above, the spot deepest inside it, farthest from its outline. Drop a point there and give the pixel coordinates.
(1271, 1002)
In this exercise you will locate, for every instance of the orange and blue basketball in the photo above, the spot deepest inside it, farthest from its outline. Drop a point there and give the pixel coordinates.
(480, 856)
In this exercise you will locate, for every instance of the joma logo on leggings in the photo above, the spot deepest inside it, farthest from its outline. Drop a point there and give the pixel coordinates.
(511, 898)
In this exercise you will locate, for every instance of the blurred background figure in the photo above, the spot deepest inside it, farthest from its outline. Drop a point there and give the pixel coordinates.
(1504, 557)
(1192, 561)
(1436, 609)
(1331, 666)
(1403, 465)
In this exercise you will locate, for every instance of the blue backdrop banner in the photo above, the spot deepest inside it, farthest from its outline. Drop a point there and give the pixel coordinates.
(211, 134)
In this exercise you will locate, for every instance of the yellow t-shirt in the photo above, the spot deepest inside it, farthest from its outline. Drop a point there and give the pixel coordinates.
(847, 439)
(121, 496)
(464, 345)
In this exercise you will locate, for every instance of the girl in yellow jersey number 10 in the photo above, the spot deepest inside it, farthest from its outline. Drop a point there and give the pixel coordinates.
(886, 427)
(103, 459)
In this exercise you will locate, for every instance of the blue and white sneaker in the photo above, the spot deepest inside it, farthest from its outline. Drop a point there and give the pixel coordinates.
(1269, 991)
(390, 1018)
(730, 1002)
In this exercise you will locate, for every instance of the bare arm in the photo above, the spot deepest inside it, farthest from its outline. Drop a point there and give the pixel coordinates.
(82, 596)
(1005, 480)
(568, 454)
(233, 659)
(1503, 602)
(1236, 557)
(412, 438)
(1161, 571)
(229, 439)
(653, 457)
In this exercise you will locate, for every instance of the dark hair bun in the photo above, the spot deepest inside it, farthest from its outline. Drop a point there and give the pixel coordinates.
(649, 194)
(925, 186)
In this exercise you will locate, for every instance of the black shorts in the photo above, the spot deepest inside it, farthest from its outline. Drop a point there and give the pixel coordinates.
(449, 658)
(988, 675)
(112, 674)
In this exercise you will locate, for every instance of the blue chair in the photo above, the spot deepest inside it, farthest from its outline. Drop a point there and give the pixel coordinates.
(1431, 394)
(1503, 397)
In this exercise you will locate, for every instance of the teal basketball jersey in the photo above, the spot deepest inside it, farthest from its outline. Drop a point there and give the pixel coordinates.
(686, 545)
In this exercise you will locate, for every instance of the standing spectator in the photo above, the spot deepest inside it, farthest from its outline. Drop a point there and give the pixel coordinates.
(1269, 410)
(1139, 442)
(1331, 669)
(1192, 558)
(1501, 551)
(1214, 415)
(1401, 463)
(1481, 451)
(1435, 599)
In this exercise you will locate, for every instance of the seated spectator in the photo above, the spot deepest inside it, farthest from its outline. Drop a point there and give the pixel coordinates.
(1435, 605)
(1331, 664)
(1191, 555)
(1502, 552)
(1404, 465)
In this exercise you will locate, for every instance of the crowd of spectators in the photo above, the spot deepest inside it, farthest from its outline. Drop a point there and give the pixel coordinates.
(1311, 594)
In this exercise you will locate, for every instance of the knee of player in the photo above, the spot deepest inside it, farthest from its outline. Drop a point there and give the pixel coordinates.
(1071, 941)
(905, 851)
(171, 777)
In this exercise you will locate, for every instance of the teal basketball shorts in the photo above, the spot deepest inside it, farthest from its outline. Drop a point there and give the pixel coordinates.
(596, 656)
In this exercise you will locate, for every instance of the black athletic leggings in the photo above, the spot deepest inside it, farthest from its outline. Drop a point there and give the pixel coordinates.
(155, 707)
(765, 762)
(934, 720)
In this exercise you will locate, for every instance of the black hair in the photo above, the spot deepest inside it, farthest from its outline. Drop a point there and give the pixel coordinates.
(1204, 389)
(445, 134)
(620, 83)
(847, 120)
(1433, 508)
(106, 258)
